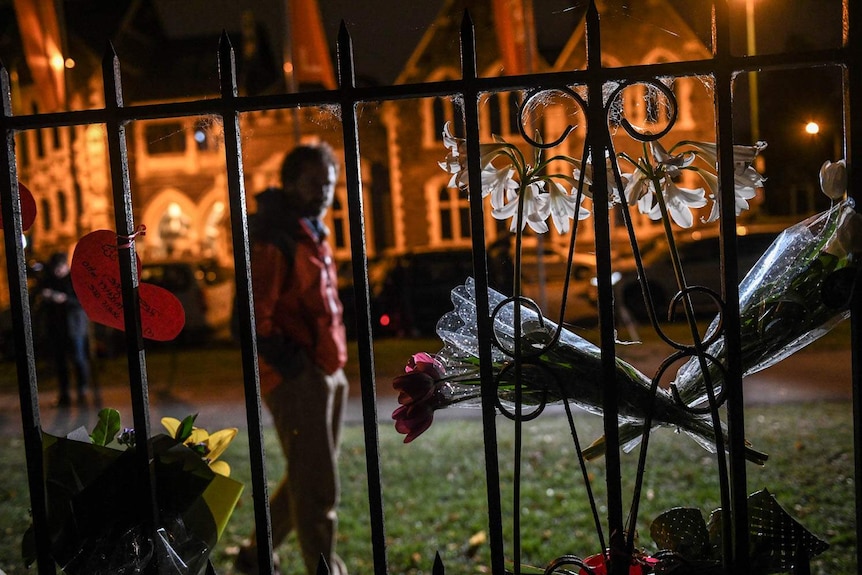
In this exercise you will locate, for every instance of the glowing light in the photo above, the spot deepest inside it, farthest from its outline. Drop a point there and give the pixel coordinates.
(812, 128)
(385, 320)
(69, 63)
(57, 62)
(288, 67)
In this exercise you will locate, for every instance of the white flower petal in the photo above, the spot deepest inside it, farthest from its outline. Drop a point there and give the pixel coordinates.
(497, 184)
(637, 188)
(680, 202)
(562, 207)
(833, 179)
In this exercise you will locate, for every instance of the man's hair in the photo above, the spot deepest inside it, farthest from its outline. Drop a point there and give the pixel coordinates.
(304, 155)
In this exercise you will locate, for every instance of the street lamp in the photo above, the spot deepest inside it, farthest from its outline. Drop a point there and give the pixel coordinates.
(812, 128)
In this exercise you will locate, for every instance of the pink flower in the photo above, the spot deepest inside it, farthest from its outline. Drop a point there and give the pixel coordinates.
(418, 393)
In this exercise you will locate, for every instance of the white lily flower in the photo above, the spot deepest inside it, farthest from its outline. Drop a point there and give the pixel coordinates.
(536, 209)
(637, 189)
(741, 196)
(498, 184)
(455, 162)
(587, 174)
(833, 179)
(743, 156)
(562, 206)
(745, 177)
(670, 165)
(679, 202)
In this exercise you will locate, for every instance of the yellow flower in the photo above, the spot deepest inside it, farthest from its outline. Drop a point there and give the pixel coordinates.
(209, 445)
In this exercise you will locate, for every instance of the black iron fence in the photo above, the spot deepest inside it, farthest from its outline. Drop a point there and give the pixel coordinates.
(593, 90)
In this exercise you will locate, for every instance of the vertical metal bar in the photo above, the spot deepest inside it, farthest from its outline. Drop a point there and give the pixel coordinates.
(16, 271)
(598, 139)
(244, 299)
(359, 254)
(735, 524)
(480, 271)
(852, 77)
(125, 225)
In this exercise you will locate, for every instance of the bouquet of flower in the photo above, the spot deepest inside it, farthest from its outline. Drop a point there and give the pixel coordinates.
(94, 511)
(689, 545)
(557, 365)
(798, 290)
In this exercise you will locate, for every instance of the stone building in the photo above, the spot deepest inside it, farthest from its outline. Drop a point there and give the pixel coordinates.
(177, 164)
(414, 127)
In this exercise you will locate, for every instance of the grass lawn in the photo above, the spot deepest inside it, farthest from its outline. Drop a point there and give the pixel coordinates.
(435, 490)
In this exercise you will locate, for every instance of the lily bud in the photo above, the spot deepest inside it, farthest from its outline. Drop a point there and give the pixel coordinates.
(833, 179)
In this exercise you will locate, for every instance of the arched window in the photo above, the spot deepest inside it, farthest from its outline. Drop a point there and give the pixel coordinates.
(173, 229)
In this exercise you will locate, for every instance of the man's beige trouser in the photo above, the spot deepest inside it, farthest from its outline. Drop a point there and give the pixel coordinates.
(307, 411)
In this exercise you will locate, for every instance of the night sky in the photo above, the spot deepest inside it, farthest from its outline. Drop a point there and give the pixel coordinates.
(385, 32)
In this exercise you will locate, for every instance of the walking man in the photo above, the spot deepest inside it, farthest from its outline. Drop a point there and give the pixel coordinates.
(302, 349)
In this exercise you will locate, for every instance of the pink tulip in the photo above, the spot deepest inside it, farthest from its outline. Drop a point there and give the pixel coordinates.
(418, 393)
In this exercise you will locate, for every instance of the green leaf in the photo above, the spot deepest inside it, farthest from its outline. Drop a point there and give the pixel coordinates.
(107, 428)
(185, 429)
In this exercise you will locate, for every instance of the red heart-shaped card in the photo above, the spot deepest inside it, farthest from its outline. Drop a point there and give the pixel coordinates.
(96, 279)
(28, 208)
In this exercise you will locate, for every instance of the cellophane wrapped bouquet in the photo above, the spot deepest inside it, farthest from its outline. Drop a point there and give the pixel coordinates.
(96, 510)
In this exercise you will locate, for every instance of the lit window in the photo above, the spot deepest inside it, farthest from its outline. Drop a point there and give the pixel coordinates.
(165, 138)
(454, 210)
(445, 111)
(45, 211)
(203, 136)
(62, 206)
(338, 211)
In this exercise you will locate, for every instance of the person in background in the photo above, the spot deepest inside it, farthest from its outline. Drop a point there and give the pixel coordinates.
(302, 348)
(67, 329)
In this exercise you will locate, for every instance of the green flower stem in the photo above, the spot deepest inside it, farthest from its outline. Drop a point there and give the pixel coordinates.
(724, 487)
